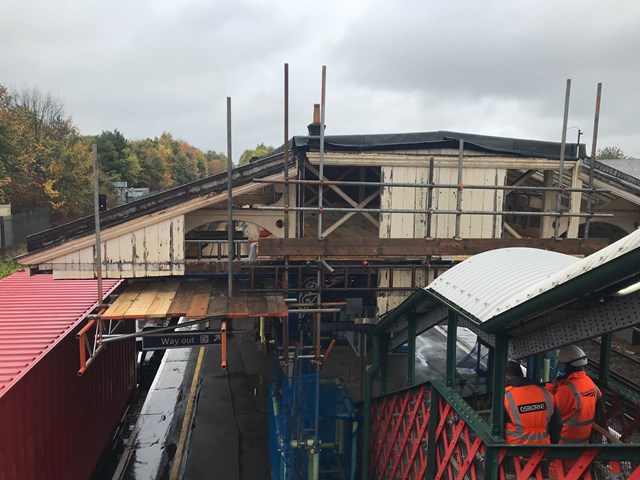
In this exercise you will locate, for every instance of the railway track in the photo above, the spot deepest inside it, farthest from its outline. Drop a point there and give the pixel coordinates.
(623, 368)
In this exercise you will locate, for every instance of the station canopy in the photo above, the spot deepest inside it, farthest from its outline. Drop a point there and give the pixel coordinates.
(541, 299)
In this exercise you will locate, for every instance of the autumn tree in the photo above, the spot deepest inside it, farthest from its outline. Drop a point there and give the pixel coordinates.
(44, 161)
(217, 162)
(260, 151)
(7, 143)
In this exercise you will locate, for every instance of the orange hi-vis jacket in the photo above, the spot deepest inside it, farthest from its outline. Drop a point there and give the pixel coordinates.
(576, 397)
(529, 408)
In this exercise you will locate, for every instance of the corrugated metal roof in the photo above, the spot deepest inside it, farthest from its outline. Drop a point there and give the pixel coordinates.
(491, 283)
(484, 284)
(36, 312)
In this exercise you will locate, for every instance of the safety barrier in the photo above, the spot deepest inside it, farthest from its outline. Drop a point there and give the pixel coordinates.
(309, 440)
(429, 431)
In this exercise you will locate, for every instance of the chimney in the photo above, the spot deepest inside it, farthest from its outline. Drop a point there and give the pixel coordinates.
(314, 127)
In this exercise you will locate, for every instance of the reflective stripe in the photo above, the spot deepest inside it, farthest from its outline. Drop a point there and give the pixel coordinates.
(549, 402)
(515, 414)
(528, 436)
(517, 429)
(585, 395)
(573, 419)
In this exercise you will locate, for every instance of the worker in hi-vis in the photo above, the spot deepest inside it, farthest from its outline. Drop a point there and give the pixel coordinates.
(531, 416)
(576, 396)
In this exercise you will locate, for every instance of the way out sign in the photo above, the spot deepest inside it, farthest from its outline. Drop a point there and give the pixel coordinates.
(180, 340)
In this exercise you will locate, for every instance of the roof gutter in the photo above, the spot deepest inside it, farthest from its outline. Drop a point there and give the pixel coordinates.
(400, 311)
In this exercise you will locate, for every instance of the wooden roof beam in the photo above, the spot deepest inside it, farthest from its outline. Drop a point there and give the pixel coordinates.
(351, 248)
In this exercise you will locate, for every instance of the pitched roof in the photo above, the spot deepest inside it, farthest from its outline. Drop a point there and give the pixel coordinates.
(442, 139)
(36, 313)
(153, 203)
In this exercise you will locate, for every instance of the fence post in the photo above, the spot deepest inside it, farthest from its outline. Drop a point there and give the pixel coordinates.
(2, 242)
(491, 467)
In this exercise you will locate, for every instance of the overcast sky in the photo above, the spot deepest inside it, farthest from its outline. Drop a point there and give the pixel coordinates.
(484, 67)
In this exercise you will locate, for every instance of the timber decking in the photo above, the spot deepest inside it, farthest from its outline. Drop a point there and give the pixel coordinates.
(191, 299)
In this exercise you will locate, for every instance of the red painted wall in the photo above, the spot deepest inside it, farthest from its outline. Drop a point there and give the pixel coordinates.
(55, 425)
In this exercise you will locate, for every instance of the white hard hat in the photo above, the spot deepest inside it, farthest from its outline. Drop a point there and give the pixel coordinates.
(573, 355)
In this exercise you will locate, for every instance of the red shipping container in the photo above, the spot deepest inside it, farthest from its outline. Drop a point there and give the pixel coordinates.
(53, 423)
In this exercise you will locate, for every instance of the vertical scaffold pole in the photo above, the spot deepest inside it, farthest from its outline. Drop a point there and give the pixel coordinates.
(592, 163)
(229, 202)
(286, 172)
(96, 213)
(459, 191)
(562, 150)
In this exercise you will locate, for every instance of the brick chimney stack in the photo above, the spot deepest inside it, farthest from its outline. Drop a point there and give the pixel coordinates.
(314, 127)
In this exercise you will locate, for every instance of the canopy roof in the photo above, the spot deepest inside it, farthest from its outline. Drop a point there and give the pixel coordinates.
(539, 298)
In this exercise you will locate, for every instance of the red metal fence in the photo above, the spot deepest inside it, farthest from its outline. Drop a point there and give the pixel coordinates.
(430, 432)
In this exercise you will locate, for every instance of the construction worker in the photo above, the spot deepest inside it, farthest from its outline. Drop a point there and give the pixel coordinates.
(531, 416)
(576, 396)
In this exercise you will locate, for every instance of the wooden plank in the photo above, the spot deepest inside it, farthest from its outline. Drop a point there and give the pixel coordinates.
(238, 306)
(276, 307)
(257, 306)
(141, 303)
(182, 300)
(120, 306)
(377, 159)
(218, 305)
(200, 300)
(418, 247)
(160, 305)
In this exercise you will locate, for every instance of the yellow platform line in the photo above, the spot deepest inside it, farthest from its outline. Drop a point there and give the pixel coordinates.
(186, 422)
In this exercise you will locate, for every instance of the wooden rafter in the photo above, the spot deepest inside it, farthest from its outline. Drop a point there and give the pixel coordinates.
(346, 197)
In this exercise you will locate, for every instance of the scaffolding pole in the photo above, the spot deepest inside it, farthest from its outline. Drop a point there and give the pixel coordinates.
(592, 161)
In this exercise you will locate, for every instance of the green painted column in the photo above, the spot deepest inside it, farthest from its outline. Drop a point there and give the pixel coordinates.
(491, 468)
(432, 429)
(384, 363)
(452, 334)
(536, 375)
(370, 373)
(497, 406)
(605, 358)
(411, 352)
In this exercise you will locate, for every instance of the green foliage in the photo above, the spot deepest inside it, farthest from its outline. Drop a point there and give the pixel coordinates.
(260, 151)
(9, 266)
(114, 157)
(608, 153)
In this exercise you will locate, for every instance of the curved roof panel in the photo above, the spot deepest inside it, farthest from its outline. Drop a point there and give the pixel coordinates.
(486, 284)
(491, 283)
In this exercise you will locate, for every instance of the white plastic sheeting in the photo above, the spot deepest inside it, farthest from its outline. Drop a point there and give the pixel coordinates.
(493, 282)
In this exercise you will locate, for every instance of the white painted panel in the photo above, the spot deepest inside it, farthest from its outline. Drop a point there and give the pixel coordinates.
(87, 259)
(151, 251)
(126, 256)
(152, 244)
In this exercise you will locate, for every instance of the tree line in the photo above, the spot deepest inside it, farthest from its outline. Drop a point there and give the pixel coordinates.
(46, 162)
